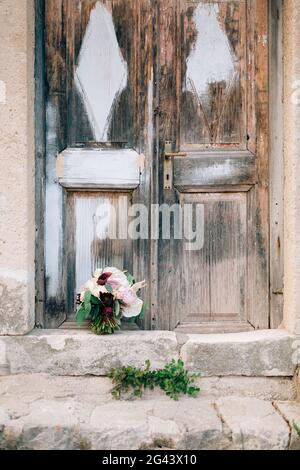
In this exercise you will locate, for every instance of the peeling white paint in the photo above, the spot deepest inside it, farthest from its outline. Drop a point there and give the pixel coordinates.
(2, 92)
(102, 73)
(150, 113)
(98, 168)
(53, 222)
(212, 59)
(85, 234)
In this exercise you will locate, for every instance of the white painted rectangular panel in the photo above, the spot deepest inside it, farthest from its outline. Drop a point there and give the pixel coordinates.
(99, 220)
(98, 168)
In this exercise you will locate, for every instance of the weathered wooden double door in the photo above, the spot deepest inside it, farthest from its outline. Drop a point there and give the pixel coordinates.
(159, 102)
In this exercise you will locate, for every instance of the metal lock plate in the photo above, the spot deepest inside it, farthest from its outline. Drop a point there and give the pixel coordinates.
(168, 163)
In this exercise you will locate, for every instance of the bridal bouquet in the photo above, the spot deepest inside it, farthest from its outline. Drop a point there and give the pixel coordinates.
(110, 295)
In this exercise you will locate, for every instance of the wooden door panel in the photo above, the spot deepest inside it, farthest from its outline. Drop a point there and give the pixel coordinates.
(98, 168)
(209, 274)
(203, 170)
(105, 48)
(213, 94)
(95, 221)
(213, 100)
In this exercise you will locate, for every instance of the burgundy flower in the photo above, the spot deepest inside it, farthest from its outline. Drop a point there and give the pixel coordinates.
(107, 311)
(102, 280)
(107, 299)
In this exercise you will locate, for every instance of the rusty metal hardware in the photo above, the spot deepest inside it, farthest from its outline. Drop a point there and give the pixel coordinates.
(168, 163)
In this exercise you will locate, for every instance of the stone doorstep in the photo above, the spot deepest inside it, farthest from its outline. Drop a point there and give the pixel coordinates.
(48, 412)
(268, 353)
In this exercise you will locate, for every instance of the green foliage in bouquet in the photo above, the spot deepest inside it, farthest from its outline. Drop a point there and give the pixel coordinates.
(173, 379)
(105, 319)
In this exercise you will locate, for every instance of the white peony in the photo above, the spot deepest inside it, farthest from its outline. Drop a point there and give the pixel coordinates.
(93, 288)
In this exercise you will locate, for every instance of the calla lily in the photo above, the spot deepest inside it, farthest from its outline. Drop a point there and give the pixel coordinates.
(138, 285)
(134, 309)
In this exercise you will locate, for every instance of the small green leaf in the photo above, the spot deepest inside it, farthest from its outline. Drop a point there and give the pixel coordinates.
(87, 298)
(143, 311)
(80, 315)
(130, 278)
(95, 312)
(87, 309)
(95, 300)
(109, 288)
(117, 309)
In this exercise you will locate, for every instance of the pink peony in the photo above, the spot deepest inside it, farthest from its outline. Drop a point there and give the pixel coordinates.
(114, 283)
(128, 296)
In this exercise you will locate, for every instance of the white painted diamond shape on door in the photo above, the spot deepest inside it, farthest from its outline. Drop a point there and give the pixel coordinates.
(101, 74)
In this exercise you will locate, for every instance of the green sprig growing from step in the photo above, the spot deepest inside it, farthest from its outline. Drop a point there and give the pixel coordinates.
(173, 379)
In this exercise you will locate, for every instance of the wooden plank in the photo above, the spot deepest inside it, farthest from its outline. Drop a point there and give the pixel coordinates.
(98, 168)
(86, 325)
(40, 159)
(213, 328)
(56, 108)
(169, 90)
(276, 163)
(258, 31)
(213, 169)
(144, 129)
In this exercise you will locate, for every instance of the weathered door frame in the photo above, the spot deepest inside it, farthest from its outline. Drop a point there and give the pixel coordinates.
(276, 171)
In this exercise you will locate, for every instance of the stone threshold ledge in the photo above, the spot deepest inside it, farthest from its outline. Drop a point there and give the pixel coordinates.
(264, 353)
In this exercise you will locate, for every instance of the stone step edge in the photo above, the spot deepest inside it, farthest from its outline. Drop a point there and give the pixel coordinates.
(228, 423)
(269, 353)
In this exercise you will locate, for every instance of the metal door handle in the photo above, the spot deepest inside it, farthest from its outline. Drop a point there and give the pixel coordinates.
(168, 164)
(175, 154)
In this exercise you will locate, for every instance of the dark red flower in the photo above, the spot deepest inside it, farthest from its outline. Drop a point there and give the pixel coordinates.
(107, 311)
(102, 280)
(107, 299)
